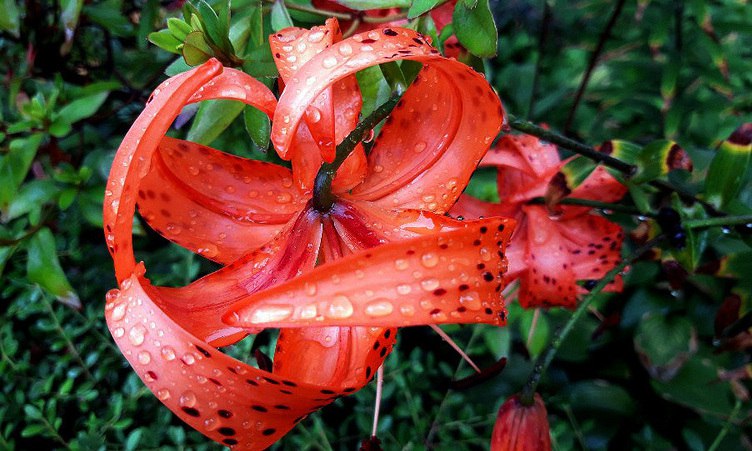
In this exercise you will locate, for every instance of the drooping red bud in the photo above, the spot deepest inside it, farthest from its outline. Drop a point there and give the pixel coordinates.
(521, 428)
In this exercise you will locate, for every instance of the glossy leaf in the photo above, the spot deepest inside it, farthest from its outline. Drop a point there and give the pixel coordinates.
(475, 28)
(730, 169)
(212, 119)
(258, 126)
(9, 20)
(419, 7)
(43, 268)
(362, 5)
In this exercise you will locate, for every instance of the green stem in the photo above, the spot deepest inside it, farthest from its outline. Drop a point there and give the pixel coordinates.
(594, 204)
(71, 347)
(323, 198)
(576, 147)
(714, 222)
(544, 360)
(310, 10)
(724, 430)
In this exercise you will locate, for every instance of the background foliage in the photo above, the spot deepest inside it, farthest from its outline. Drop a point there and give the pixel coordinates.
(650, 368)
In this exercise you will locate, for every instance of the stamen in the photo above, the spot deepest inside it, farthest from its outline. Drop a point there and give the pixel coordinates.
(379, 387)
(451, 343)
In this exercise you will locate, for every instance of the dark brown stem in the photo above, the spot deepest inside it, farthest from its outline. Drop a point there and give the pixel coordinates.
(605, 34)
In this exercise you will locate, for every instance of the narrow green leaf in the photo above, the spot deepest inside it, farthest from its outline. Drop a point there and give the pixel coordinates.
(280, 17)
(15, 165)
(212, 119)
(211, 23)
(421, 7)
(146, 23)
(258, 126)
(9, 19)
(43, 268)
(31, 197)
(730, 169)
(654, 160)
(81, 108)
(393, 76)
(475, 28)
(69, 13)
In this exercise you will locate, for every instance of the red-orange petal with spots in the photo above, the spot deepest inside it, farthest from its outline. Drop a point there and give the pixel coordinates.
(227, 400)
(133, 160)
(454, 276)
(215, 204)
(473, 123)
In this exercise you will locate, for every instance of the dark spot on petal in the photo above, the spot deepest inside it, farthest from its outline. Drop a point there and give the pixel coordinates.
(191, 411)
(463, 287)
(327, 392)
(226, 431)
(252, 382)
(389, 32)
(439, 292)
(488, 277)
(152, 375)
(230, 441)
(259, 408)
(224, 413)
(290, 383)
(269, 431)
(203, 351)
(271, 381)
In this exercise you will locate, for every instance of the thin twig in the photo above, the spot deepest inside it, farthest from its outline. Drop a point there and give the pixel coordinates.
(605, 34)
(724, 430)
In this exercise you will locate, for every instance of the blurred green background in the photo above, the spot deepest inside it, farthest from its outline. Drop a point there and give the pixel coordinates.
(646, 370)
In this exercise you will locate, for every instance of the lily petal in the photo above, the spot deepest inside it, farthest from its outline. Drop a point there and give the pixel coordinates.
(427, 280)
(198, 307)
(133, 159)
(215, 204)
(225, 399)
(473, 120)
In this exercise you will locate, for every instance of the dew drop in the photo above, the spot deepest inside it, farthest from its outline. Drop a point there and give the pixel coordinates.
(430, 284)
(329, 62)
(419, 147)
(316, 36)
(404, 289)
(471, 300)
(173, 229)
(189, 358)
(379, 308)
(271, 313)
(187, 399)
(310, 288)
(313, 114)
(284, 198)
(168, 353)
(345, 49)
(378, 168)
(163, 394)
(229, 189)
(429, 260)
(309, 311)
(144, 357)
(209, 250)
(407, 310)
(339, 307)
(401, 264)
(136, 335)
(485, 254)
(118, 332)
(112, 295)
(193, 170)
(118, 312)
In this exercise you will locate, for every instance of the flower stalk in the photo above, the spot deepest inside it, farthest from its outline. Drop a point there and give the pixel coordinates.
(544, 360)
(323, 198)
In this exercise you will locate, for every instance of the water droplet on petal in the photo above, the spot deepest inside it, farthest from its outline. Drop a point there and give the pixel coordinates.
(329, 62)
(419, 147)
(163, 394)
(313, 114)
(168, 353)
(284, 198)
(271, 313)
(407, 310)
(379, 308)
(404, 289)
(144, 357)
(118, 332)
(340, 307)
(193, 170)
(401, 264)
(189, 358)
(173, 229)
(429, 260)
(118, 312)
(471, 300)
(136, 335)
(316, 36)
(209, 250)
(345, 49)
(369, 136)
(430, 284)
(187, 399)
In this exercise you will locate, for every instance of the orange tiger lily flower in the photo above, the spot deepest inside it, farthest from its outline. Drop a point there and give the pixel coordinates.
(386, 255)
(549, 254)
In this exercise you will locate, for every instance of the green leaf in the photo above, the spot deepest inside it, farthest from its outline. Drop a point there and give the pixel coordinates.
(213, 118)
(393, 76)
(69, 13)
(362, 5)
(178, 28)
(9, 19)
(15, 165)
(146, 22)
(165, 40)
(475, 28)
(196, 50)
(653, 160)
(32, 196)
(258, 126)
(374, 88)
(535, 331)
(664, 344)
(33, 429)
(75, 111)
(600, 396)
(421, 7)
(697, 239)
(43, 268)
(729, 171)
(697, 386)
(280, 17)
